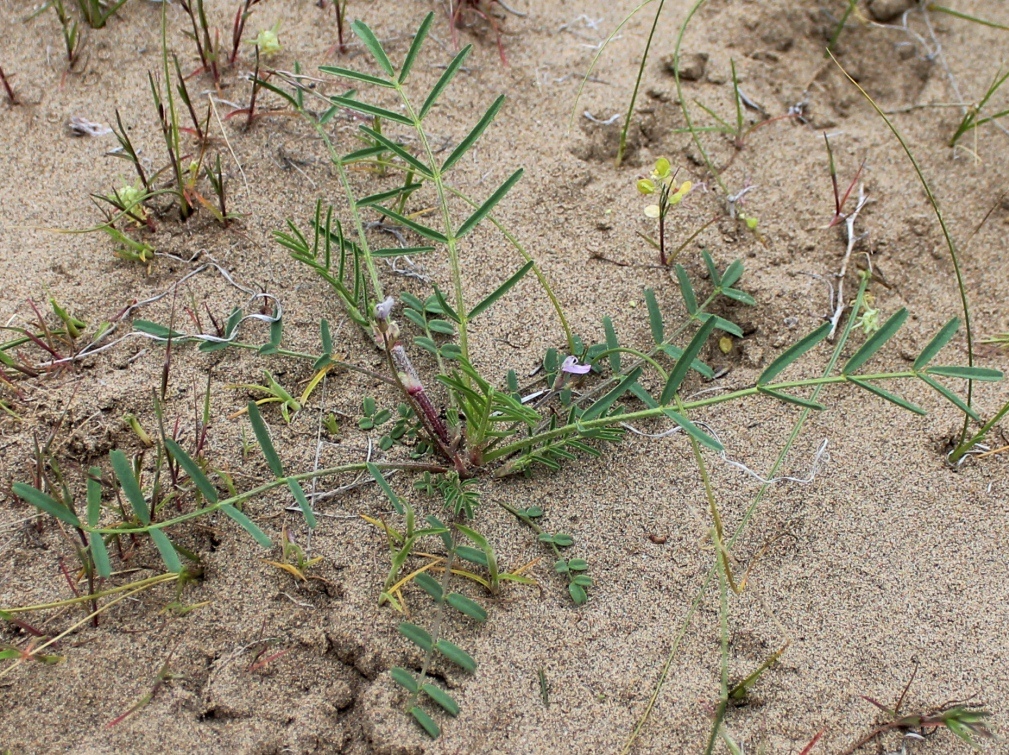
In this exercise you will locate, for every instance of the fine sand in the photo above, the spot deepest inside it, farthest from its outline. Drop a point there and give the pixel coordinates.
(887, 559)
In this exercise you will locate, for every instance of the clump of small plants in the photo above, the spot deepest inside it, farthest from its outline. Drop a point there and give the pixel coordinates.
(460, 428)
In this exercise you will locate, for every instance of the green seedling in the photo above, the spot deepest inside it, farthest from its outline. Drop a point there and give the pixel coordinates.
(275, 394)
(972, 118)
(97, 13)
(71, 34)
(293, 559)
(662, 184)
(208, 46)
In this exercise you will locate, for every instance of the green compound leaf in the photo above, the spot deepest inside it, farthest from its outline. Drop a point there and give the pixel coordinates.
(876, 341)
(793, 352)
(475, 134)
(465, 605)
(443, 699)
(263, 438)
(456, 654)
(192, 469)
(427, 723)
(356, 76)
(654, 317)
(131, 489)
(50, 505)
(416, 635)
(168, 554)
(404, 678)
(367, 36)
(903, 403)
(418, 42)
(501, 290)
(446, 78)
(487, 206)
(682, 366)
(246, 524)
(937, 343)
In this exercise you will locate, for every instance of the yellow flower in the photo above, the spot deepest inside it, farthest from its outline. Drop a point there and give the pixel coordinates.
(646, 186)
(652, 211)
(661, 171)
(677, 196)
(268, 41)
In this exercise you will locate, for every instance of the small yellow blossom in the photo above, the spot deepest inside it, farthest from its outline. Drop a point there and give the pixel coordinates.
(268, 40)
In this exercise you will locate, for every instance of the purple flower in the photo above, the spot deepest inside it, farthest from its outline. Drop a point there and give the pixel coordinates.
(571, 366)
(384, 309)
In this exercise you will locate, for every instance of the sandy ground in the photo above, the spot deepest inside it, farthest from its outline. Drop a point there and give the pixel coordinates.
(886, 559)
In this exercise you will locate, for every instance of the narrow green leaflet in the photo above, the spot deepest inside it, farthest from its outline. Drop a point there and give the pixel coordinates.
(876, 341)
(429, 585)
(357, 76)
(167, 551)
(464, 605)
(131, 489)
(716, 278)
(675, 352)
(740, 296)
(443, 699)
(475, 134)
(450, 71)
(97, 543)
(372, 110)
(903, 403)
(423, 230)
(697, 433)
(501, 290)
(951, 397)
(654, 317)
(426, 722)
(732, 274)
(367, 36)
(404, 678)
(154, 329)
(457, 655)
(417, 635)
(327, 338)
(983, 374)
(686, 290)
(263, 437)
(192, 469)
(793, 352)
(790, 399)
(390, 145)
(473, 555)
(487, 206)
(937, 343)
(299, 495)
(722, 324)
(602, 405)
(384, 484)
(401, 251)
(473, 535)
(246, 524)
(446, 308)
(612, 344)
(40, 500)
(682, 366)
(418, 42)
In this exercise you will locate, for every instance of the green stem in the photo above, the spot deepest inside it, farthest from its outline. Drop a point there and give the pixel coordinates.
(637, 86)
(450, 238)
(580, 427)
(266, 487)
